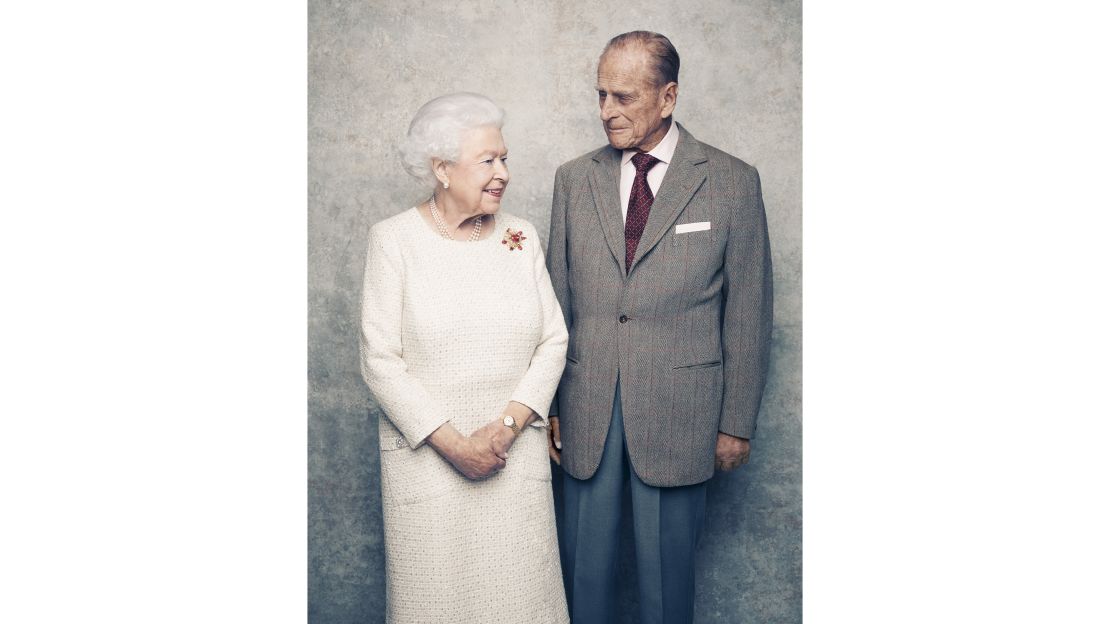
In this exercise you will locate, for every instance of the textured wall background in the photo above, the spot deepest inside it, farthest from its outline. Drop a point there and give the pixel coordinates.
(371, 64)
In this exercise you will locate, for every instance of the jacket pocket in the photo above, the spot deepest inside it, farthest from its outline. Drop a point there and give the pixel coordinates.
(530, 449)
(411, 476)
(698, 365)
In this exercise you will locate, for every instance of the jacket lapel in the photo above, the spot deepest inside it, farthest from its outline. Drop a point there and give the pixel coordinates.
(684, 177)
(605, 186)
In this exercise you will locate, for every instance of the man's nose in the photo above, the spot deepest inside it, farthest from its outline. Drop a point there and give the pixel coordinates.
(608, 110)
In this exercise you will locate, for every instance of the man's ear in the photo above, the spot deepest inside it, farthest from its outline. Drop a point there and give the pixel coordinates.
(670, 98)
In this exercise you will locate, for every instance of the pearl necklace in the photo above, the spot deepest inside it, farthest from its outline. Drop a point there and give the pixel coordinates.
(443, 226)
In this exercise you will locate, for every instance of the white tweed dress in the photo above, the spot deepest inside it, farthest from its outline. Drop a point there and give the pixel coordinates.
(451, 332)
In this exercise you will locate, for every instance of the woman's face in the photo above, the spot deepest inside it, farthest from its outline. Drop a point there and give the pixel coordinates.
(479, 177)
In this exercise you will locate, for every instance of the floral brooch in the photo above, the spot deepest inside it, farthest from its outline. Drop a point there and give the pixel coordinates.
(513, 239)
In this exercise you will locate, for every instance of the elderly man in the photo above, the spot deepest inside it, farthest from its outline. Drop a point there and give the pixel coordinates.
(660, 260)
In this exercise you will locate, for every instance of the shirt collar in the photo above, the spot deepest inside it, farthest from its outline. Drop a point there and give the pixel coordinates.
(664, 151)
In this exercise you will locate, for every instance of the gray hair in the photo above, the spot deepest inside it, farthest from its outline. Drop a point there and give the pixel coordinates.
(660, 48)
(438, 127)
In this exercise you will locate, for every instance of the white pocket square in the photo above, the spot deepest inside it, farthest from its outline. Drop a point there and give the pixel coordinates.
(691, 227)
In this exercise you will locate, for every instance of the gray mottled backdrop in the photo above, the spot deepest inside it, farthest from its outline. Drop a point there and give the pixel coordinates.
(371, 64)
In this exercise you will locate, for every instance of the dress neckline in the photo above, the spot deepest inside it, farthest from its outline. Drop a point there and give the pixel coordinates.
(430, 233)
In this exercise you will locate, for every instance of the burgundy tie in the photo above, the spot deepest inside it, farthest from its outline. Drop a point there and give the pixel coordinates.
(639, 205)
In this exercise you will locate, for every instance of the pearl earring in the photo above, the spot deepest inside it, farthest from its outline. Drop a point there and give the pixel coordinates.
(446, 184)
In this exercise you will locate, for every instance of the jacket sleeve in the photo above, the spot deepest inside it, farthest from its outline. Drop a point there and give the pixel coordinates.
(537, 388)
(748, 311)
(404, 400)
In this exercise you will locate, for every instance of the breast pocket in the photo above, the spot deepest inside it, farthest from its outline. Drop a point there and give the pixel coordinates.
(698, 239)
(700, 253)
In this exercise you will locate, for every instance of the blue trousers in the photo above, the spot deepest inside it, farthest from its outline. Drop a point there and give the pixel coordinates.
(666, 524)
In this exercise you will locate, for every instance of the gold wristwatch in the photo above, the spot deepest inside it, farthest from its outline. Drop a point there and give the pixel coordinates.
(510, 422)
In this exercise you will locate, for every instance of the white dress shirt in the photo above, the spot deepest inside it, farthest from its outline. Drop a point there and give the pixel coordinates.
(664, 152)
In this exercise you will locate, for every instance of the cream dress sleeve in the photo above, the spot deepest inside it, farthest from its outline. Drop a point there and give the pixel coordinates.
(405, 401)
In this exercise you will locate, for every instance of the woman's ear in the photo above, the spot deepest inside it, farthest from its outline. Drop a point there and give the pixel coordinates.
(439, 167)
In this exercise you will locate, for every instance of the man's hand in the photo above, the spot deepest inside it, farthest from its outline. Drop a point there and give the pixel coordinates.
(732, 452)
(554, 440)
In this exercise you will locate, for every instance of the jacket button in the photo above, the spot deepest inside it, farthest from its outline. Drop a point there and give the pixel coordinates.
(623, 319)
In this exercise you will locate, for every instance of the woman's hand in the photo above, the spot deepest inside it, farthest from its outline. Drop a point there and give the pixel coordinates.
(475, 456)
(500, 437)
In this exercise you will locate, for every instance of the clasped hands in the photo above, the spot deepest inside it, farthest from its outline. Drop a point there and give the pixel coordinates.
(479, 455)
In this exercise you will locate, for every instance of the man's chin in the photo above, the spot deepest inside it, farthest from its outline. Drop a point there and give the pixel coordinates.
(620, 143)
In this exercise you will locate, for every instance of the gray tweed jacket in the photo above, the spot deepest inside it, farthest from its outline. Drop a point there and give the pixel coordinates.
(687, 329)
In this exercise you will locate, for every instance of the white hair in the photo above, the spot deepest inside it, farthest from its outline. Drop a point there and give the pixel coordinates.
(438, 128)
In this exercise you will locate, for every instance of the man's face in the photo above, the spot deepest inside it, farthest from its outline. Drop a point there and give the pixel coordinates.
(633, 110)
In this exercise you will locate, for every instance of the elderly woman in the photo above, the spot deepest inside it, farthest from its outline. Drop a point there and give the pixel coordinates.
(462, 344)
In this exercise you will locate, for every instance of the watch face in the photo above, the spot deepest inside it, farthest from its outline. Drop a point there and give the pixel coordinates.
(509, 421)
